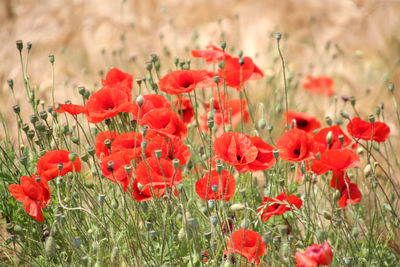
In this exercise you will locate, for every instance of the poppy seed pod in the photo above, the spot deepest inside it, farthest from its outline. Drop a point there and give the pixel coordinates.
(10, 83)
(51, 59)
(158, 153)
(16, 109)
(275, 153)
(371, 118)
(222, 45)
(20, 45)
(278, 36)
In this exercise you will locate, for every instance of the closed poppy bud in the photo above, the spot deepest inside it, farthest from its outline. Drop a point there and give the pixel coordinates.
(329, 137)
(241, 61)
(367, 170)
(344, 114)
(261, 124)
(219, 168)
(371, 118)
(128, 169)
(140, 100)
(237, 207)
(50, 246)
(19, 44)
(278, 36)
(216, 79)
(110, 165)
(72, 156)
(328, 120)
(16, 109)
(221, 65)
(210, 123)
(391, 87)
(51, 59)
(10, 83)
(223, 45)
(275, 153)
(158, 153)
(327, 215)
(352, 100)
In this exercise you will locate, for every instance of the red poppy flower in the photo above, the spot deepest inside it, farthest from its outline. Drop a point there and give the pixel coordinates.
(170, 148)
(117, 172)
(70, 108)
(235, 149)
(129, 143)
(151, 178)
(225, 184)
(100, 147)
(211, 54)
(319, 85)
(295, 145)
(120, 79)
(184, 109)
(33, 195)
(153, 101)
(320, 138)
(349, 195)
(182, 81)
(164, 122)
(236, 75)
(264, 160)
(231, 107)
(364, 130)
(248, 244)
(304, 121)
(107, 102)
(339, 180)
(278, 205)
(335, 160)
(314, 255)
(48, 166)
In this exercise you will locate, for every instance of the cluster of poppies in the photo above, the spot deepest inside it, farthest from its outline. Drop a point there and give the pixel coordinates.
(148, 160)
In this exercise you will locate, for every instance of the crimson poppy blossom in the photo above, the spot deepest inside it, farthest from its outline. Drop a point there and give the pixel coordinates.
(184, 109)
(164, 122)
(70, 108)
(322, 144)
(335, 160)
(304, 121)
(339, 180)
(314, 255)
(150, 102)
(235, 74)
(183, 81)
(278, 205)
(129, 143)
(116, 172)
(106, 103)
(121, 80)
(296, 145)
(225, 186)
(34, 195)
(212, 54)
(264, 160)
(360, 129)
(319, 85)
(152, 177)
(248, 244)
(56, 163)
(101, 149)
(235, 149)
(349, 195)
(171, 148)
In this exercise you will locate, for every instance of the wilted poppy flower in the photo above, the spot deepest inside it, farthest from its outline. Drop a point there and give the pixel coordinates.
(278, 205)
(113, 168)
(151, 177)
(248, 244)
(349, 195)
(170, 148)
(184, 109)
(304, 121)
(150, 102)
(101, 149)
(236, 75)
(183, 81)
(33, 195)
(211, 54)
(314, 255)
(365, 130)
(235, 149)
(322, 144)
(264, 160)
(107, 102)
(164, 122)
(119, 79)
(295, 145)
(129, 143)
(335, 160)
(339, 180)
(224, 186)
(56, 163)
(319, 85)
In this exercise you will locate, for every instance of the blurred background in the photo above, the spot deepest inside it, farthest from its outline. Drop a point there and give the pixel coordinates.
(357, 42)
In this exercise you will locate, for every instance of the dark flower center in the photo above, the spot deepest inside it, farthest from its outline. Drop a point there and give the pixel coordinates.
(238, 157)
(297, 151)
(301, 123)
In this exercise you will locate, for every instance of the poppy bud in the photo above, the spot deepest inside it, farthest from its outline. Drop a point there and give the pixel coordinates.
(158, 153)
(176, 61)
(337, 195)
(214, 188)
(110, 166)
(222, 45)
(20, 45)
(261, 124)
(237, 207)
(221, 65)
(270, 128)
(50, 246)
(352, 100)
(51, 59)
(210, 123)
(329, 137)
(278, 36)
(275, 153)
(219, 168)
(128, 169)
(149, 66)
(375, 146)
(72, 157)
(157, 65)
(327, 215)
(371, 118)
(344, 114)
(391, 87)
(16, 109)
(90, 150)
(241, 61)
(33, 118)
(328, 120)
(101, 198)
(214, 220)
(367, 170)
(10, 83)
(29, 46)
(139, 82)
(216, 79)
